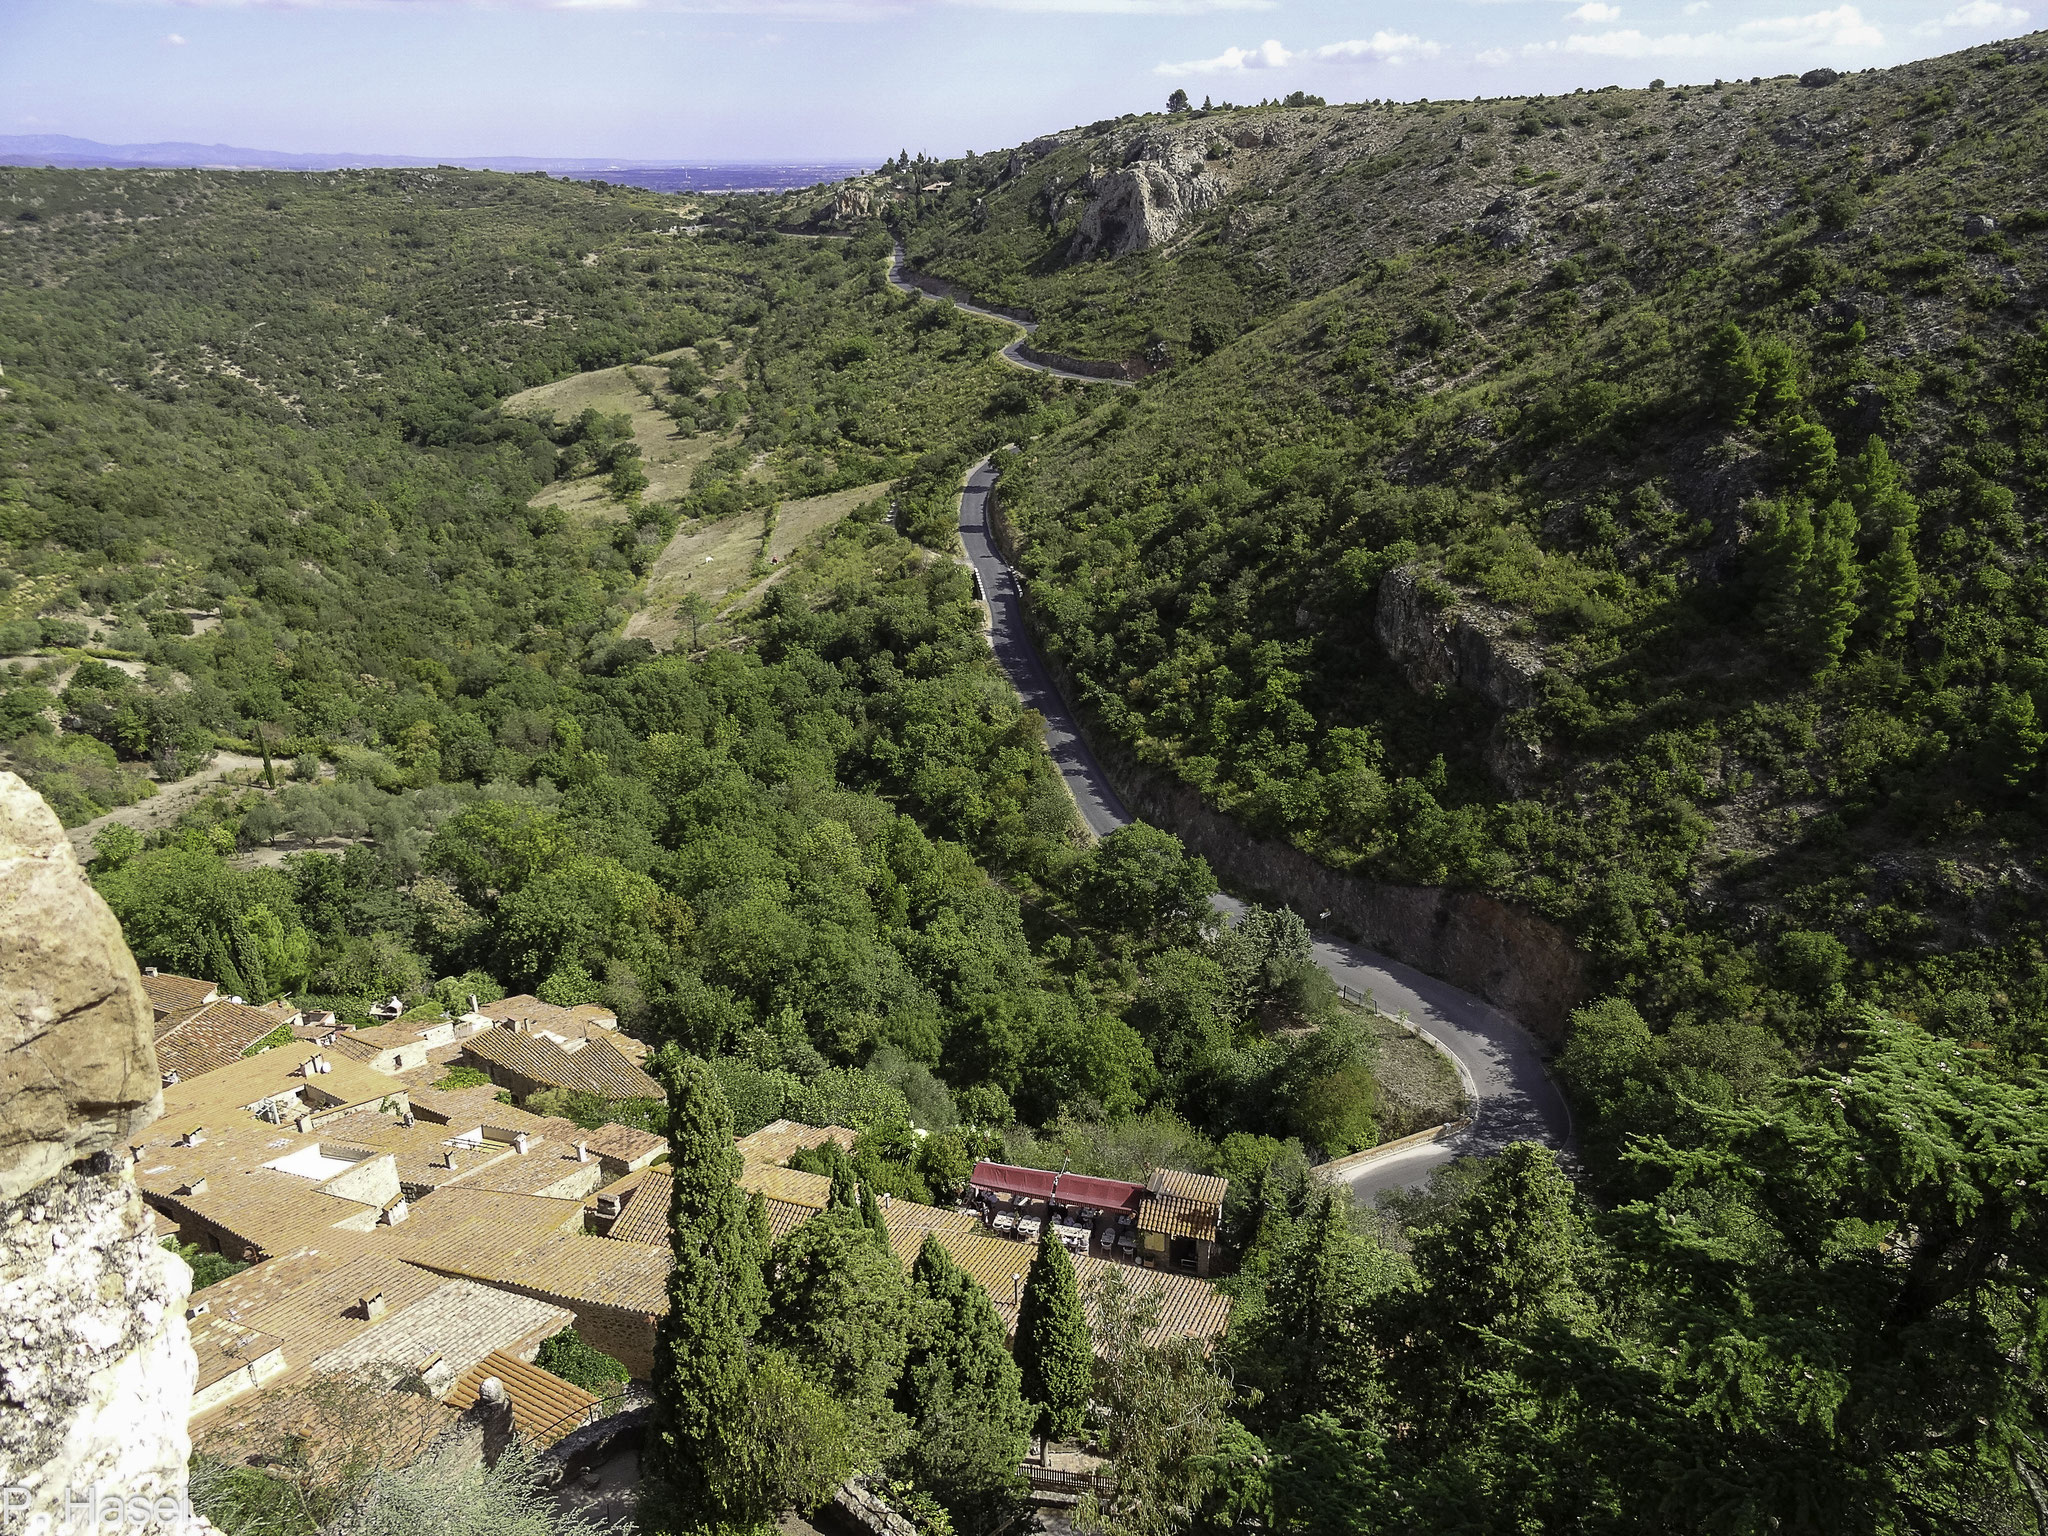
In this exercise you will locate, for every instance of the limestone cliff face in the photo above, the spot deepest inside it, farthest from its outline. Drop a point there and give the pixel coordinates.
(96, 1365)
(1160, 186)
(1463, 645)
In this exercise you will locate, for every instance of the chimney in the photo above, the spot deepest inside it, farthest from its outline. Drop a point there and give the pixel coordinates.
(1016, 1290)
(395, 1213)
(197, 1309)
(519, 1142)
(171, 1078)
(194, 1186)
(149, 970)
(582, 1151)
(194, 1137)
(472, 1002)
(406, 1120)
(450, 1159)
(372, 1307)
(607, 1205)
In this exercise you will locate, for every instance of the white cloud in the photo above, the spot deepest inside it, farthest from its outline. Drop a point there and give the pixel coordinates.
(1494, 56)
(1381, 48)
(1976, 16)
(1386, 47)
(1593, 12)
(172, 40)
(1843, 27)
(1268, 55)
(1697, 6)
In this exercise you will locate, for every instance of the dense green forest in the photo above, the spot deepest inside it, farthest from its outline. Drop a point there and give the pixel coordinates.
(834, 859)
(1620, 504)
(1649, 540)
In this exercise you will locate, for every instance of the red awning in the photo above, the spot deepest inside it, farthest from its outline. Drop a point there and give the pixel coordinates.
(1001, 1178)
(1074, 1188)
(1106, 1194)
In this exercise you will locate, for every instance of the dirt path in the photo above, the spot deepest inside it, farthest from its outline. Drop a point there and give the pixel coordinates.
(168, 803)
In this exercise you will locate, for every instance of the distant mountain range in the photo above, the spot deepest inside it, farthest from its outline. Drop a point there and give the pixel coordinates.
(62, 149)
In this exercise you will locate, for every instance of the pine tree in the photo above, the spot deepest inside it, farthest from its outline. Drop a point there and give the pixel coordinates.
(1054, 1351)
(1879, 493)
(1303, 1346)
(1828, 589)
(1894, 583)
(1732, 376)
(963, 1395)
(715, 1301)
(1806, 451)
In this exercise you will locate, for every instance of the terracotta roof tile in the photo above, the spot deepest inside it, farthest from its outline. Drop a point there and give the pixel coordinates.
(210, 1037)
(544, 1407)
(781, 1140)
(643, 1215)
(177, 994)
(790, 1184)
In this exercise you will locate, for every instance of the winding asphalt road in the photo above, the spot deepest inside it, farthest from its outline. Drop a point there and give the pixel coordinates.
(1514, 1098)
(1013, 354)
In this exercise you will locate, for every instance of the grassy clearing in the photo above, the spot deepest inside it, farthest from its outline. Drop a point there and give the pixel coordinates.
(721, 562)
(635, 390)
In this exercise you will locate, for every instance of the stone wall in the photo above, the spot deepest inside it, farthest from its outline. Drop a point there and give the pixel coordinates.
(96, 1365)
(1521, 963)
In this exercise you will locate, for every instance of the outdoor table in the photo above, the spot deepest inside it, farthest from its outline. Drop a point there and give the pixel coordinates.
(1076, 1238)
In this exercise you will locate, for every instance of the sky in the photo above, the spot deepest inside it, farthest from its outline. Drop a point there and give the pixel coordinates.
(709, 80)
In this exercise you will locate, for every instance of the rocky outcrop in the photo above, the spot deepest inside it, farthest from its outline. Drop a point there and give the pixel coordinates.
(851, 202)
(96, 1365)
(1460, 643)
(1161, 185)
(1508, 224)
(77, 1060)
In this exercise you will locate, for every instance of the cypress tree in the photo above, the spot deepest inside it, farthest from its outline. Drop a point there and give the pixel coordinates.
(963, 1395)
(871, 1216)
(1054, 1351)
(845, 1194)
(840, 1308)
(716, 1297)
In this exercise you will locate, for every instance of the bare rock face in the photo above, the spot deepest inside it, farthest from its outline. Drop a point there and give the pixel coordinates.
(1161, 185)
(78, 1068)
(1464, 644)
(96, 1365)
(851, 203)
(1507, 224)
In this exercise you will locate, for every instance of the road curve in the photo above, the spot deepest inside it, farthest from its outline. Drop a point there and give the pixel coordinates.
(1514, 1097)
(1013, 354)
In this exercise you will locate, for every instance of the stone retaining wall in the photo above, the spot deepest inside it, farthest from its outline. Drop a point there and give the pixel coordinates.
(1521, 963)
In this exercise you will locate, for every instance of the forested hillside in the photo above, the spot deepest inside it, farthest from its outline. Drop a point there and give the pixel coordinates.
(263, 497)
(1623, 503)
